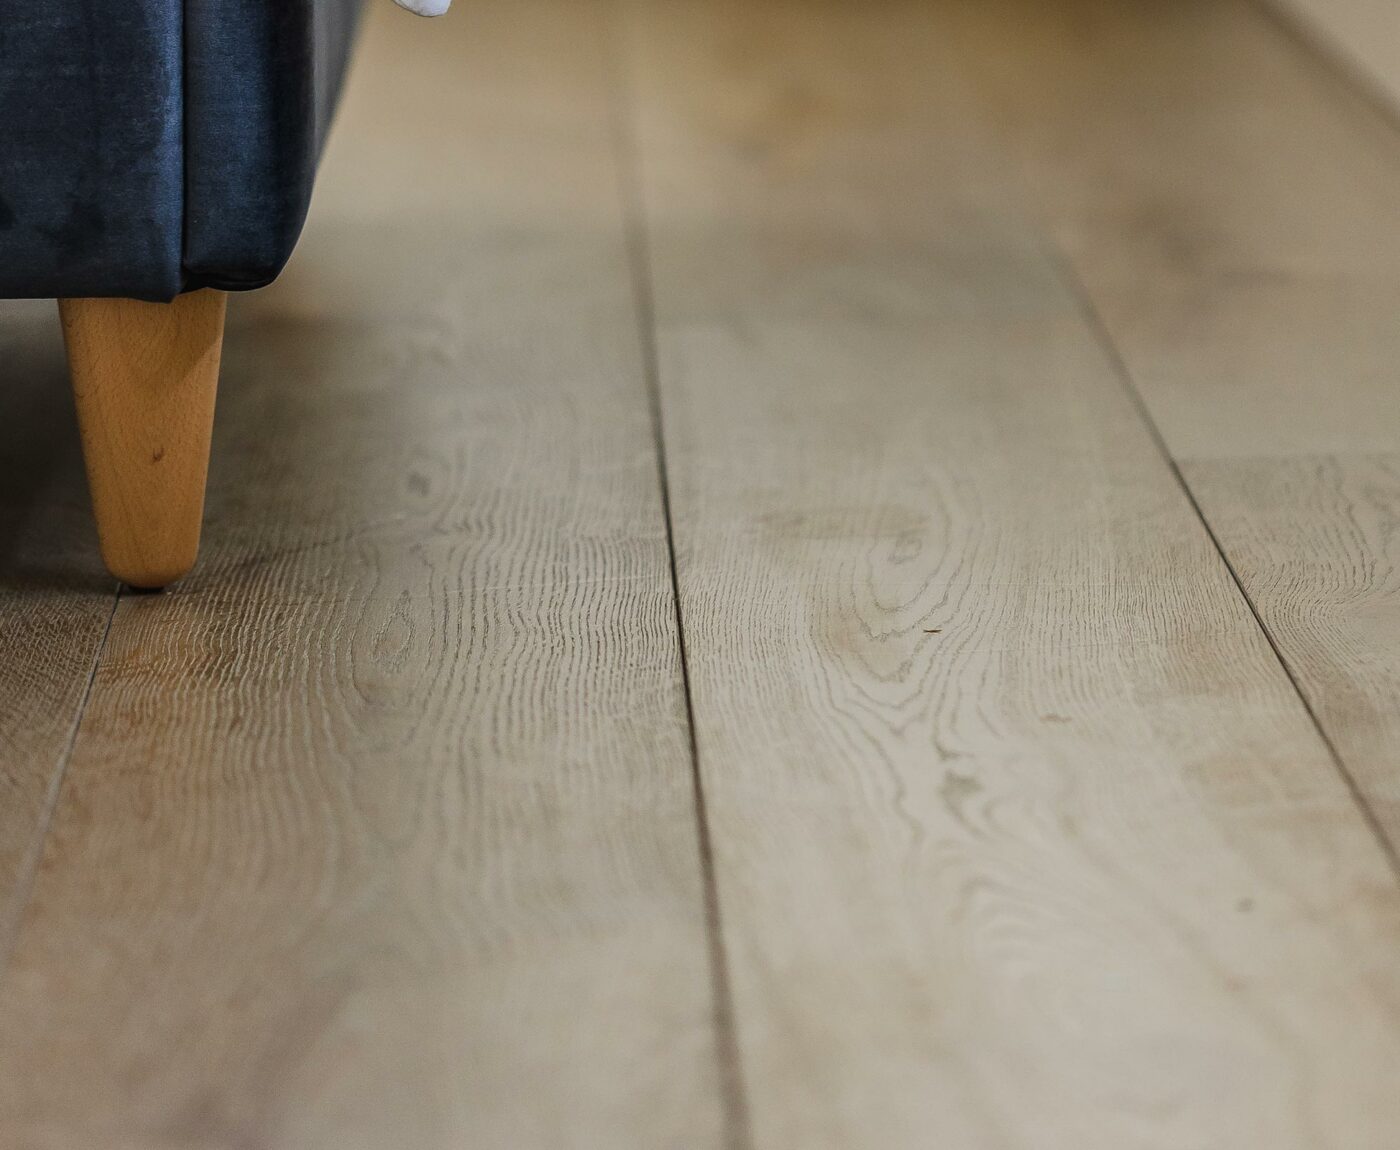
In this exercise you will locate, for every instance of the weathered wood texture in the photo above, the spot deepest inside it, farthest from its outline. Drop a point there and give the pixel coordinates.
(379, 830)
(1023, 838)
(1232, 211)
(55, 599)
(145, 378)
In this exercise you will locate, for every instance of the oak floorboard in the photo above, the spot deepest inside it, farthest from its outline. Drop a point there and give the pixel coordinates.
(1022, 836)
(55, 598)
(1229, 204)
(380, 828)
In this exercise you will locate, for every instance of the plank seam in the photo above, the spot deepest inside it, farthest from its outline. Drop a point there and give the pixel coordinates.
(1104, 337)
(29, 867)
(737, 1124)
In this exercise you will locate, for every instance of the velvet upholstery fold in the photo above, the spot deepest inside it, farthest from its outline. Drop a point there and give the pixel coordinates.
(261, 83)
(149, 147)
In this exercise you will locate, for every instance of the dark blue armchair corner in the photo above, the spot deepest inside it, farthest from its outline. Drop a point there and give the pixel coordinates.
(155, 154)
(150, 147)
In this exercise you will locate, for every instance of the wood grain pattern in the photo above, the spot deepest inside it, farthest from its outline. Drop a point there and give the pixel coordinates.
(1023, 838)
(1244, 254)
(145, 378)
(380, 828)
(54, 598)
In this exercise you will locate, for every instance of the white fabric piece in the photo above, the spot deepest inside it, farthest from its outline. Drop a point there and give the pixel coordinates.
(425, 7)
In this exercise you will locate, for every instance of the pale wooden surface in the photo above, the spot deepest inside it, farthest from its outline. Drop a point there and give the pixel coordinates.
(1363, 34)
(55, 599)
(379, 830)
(145, 378)
(1245, 257)
(1023, 837)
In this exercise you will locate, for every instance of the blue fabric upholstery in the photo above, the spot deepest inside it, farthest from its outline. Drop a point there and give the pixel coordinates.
(149, 147)
(261, 82)
(90, 138)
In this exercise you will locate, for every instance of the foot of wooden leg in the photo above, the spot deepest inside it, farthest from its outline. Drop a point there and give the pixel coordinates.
(144, 379)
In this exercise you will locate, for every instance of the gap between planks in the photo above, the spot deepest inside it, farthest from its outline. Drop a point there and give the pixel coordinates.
(29, 865)
(1235, 242)
(849, 1024)
(1095, 322)
(738, 1132)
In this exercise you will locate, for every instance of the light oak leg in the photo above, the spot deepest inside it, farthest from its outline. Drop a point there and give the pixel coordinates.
(144, 380)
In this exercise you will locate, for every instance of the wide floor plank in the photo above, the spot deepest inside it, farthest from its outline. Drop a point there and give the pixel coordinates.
(380, 829)
(1023, 837)
(55, 599)
(1231, 208)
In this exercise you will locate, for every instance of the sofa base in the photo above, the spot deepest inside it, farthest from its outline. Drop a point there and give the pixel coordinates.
(144, 381)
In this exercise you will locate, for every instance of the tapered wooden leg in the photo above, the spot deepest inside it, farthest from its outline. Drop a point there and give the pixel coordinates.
(144, 379)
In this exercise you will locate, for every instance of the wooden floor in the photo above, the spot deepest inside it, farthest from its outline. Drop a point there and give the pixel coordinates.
(779, 575)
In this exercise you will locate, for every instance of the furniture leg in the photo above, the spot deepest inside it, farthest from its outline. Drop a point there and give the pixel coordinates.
(144, 381)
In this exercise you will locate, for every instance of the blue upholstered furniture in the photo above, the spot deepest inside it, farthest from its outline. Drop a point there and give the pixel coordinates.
(150, 148)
